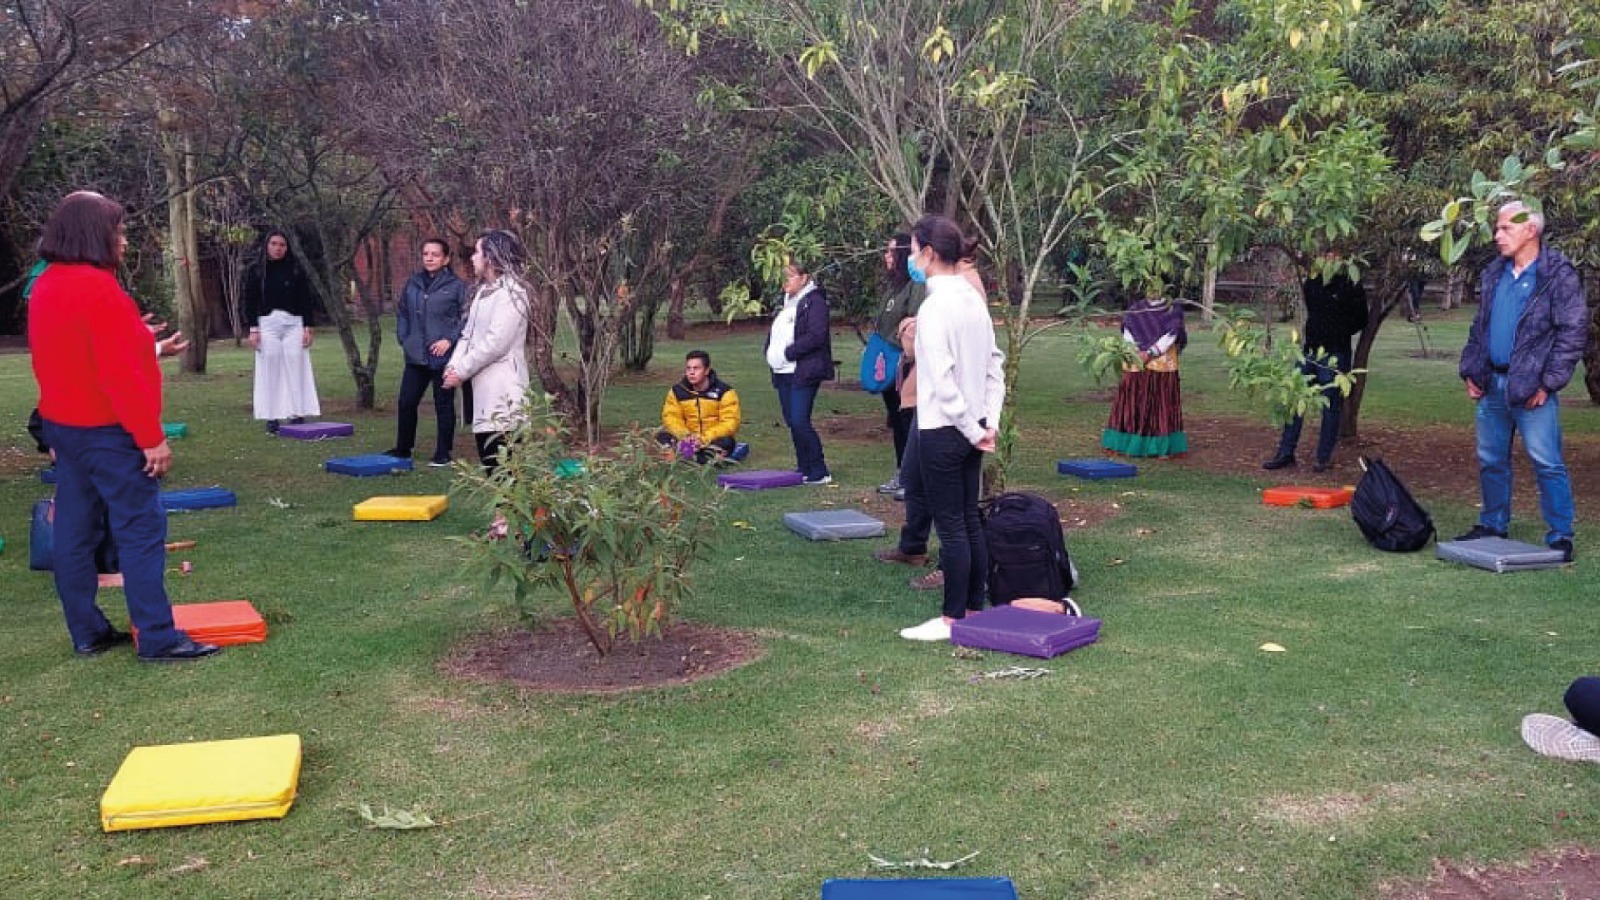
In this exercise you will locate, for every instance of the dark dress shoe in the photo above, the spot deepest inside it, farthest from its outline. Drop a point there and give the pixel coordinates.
(104, 642)
(1479, 532)
(183, 651)
(1321, 465)
(1278, 462)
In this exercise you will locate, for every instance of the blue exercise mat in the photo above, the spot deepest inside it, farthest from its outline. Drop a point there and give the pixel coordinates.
(1096, 469)
(919, 889)
(364, 466)
(198, 498)
(740, 451)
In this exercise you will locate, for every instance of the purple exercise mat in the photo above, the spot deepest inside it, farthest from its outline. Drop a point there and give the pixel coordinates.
(1029, 632)
(759, 479)
(316, 431)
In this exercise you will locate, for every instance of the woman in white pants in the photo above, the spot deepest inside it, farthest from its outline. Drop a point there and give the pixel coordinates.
(278, 306)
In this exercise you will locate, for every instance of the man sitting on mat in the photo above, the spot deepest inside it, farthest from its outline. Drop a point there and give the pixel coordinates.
(701, 412)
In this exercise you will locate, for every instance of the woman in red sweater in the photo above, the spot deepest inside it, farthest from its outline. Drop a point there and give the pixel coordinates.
(100, 397)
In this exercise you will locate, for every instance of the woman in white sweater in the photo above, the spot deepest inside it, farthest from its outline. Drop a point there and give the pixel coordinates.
(491, 353)
(960, 389)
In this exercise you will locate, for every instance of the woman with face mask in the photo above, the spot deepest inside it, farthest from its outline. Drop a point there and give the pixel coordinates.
(960, 390)
(278, 305)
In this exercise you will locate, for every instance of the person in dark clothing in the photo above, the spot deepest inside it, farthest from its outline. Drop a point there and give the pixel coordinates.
(811, 352)
(278, 305)
(1336, 311)
(428, 324)
(904, 298)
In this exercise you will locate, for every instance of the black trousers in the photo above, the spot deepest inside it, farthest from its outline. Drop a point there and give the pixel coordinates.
(414, 382)
(952, 471)
(1583, 701)
(899, 421)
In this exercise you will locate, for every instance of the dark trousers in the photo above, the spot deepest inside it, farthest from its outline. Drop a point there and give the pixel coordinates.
(489, 444)
(706, 453)
(899, 421)
(1328, 437)
(951, 472)
(914, 534)
(413, 382)
(783, 383)
(100, 478)
(1583, 701)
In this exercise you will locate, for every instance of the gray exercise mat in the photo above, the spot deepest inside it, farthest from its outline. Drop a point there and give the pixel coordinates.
(1500, 554)
(833, 524)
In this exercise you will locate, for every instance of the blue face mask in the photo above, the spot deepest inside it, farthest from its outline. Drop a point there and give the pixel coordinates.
(917, 273)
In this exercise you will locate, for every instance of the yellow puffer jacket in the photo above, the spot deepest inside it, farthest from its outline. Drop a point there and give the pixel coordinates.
(712, 413)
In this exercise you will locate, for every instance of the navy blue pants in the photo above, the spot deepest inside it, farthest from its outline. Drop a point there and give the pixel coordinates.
(413, 382)
(100, 478)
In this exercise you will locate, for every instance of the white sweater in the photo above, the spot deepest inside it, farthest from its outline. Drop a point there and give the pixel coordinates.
(960, 378)
(782, 334)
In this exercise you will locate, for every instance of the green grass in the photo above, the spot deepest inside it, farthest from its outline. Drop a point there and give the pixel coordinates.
(1173, 759)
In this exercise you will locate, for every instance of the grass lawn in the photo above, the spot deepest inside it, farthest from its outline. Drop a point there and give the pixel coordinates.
(1173, 759)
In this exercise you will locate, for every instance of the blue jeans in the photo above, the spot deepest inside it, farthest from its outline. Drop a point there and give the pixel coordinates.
(1541, 439)
(783, 383)
(951, 471)
(100, 475)
(807, 443)
(1328, 437)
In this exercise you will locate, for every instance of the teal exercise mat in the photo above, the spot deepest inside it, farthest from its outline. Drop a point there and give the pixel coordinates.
(1500, 555)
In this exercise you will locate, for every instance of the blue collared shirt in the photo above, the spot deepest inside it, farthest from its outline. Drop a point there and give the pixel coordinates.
(1511, 295)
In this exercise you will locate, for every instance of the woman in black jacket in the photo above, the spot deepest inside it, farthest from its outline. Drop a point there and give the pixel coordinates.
(428, 324)
(812, 354)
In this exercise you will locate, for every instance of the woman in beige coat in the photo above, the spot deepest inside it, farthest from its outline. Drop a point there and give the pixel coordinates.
(492, 353)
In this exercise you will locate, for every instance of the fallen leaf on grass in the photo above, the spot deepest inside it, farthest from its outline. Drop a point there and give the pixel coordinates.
(1270, 647)
(1144, 532)
(192, 864)
(746, 526)
(921, 863)
(135, 861)
(1116, 561)
(395, 819)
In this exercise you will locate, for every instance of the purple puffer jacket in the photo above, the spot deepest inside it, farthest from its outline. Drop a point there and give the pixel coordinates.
(1550, 334)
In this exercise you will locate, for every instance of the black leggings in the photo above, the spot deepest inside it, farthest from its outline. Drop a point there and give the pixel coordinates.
(489, 446)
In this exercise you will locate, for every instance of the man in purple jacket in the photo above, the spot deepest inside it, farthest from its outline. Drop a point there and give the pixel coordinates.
(1525, 341)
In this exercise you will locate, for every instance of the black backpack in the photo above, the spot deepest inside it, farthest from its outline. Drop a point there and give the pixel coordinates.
(1027, 549)
(1386, 512)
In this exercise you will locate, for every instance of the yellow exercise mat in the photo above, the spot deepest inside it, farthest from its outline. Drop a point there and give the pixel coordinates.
(209, 781)
(402, 509)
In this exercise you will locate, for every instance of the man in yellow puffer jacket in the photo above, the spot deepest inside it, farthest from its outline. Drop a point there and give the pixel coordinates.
(701, 412)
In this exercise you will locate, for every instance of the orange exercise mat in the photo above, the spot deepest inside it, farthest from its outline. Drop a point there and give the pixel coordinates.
(224, 622)
(1315, 497)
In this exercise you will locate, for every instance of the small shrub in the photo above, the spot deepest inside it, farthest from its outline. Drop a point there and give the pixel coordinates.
(616, 533)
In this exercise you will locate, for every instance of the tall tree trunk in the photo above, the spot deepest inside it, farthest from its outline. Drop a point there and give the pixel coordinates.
(1591, 348)
(183, 250)
(1387, 294)
(676, 329)
(542, 317)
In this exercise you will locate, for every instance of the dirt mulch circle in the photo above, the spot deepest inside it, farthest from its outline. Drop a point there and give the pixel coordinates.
(558, 657)
(1569, 874)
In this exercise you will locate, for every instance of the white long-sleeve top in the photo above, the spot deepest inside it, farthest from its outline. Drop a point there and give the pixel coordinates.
(782, 334)
(960, 375)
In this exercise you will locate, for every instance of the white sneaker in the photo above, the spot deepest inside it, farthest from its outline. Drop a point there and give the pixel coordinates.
(891, 486)
(825, 479)
(935, 629)
(1552, 736)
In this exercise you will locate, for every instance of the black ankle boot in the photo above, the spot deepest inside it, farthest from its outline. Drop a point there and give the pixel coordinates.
(1278, 462)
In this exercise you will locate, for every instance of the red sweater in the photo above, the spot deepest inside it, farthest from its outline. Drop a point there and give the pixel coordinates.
(93, 357)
